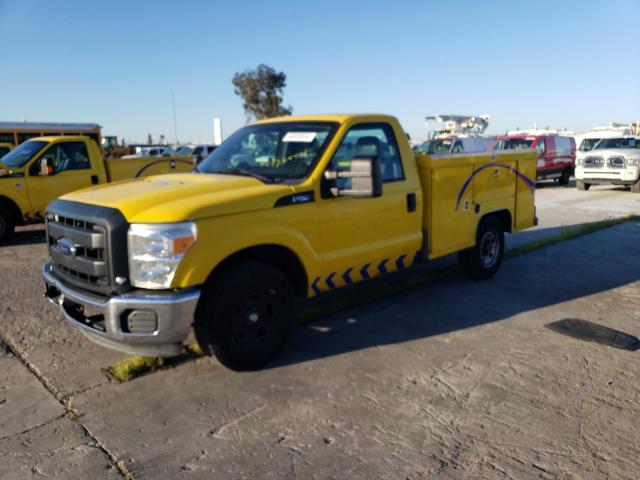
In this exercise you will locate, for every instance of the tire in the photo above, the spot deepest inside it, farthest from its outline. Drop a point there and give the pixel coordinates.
(7, 224)
(635, 187)
(580, 185)
(483, 260)
(245, 315)
(564, 178)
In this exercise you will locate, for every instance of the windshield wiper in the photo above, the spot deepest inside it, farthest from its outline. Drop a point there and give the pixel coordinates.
(247, 173)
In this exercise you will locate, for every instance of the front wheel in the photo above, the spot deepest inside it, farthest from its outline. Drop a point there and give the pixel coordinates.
(245, 315)
(484, 259)
(580, 185)
(7, 224)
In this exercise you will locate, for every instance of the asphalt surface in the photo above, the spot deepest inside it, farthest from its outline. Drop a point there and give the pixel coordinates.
(452, 379)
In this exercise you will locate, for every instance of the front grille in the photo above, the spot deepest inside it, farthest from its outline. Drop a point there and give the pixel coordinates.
(616, 162)
(78, 250)
(88, 246)
(593, 162)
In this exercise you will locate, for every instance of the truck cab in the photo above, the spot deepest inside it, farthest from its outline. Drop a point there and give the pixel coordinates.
(42, 169)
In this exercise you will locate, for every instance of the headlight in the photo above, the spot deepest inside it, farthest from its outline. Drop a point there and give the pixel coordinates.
(578, 160)
(633, 161)
(155, 251)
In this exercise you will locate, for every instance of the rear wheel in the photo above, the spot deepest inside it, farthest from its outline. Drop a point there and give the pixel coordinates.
(564, 178)
(582, 186)
(484, 259)
(7, 224)
(635, 188)
(245, 315)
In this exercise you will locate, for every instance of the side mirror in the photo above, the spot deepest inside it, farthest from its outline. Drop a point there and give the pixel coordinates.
(365, 175)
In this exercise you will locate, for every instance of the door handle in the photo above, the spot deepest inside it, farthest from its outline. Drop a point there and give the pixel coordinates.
(411, 202)
(94, 179)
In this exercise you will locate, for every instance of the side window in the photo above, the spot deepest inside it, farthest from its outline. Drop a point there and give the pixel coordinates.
(370, 140)
(64, 156)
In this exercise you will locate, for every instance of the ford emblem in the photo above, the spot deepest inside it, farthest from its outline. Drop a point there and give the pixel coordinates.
(66, 247)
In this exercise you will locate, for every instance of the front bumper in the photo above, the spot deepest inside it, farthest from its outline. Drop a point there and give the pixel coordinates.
(618, 176)
(106, 320)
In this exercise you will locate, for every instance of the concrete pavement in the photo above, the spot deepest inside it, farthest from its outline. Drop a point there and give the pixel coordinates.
(452, 379)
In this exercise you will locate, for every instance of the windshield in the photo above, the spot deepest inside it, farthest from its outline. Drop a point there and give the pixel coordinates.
(514, 144)
(588, 143)
(183, 151)
(20, 155)
(615, 143)
(275, 151)
(435, 146)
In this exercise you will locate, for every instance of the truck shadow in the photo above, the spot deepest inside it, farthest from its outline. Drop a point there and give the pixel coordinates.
(547, 277)
(26, 236)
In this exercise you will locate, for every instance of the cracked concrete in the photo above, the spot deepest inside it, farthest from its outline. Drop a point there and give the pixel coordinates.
(453, 379)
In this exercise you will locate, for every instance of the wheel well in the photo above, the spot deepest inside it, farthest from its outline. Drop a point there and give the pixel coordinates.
(278, 256)
(505, 219)
(13, 209)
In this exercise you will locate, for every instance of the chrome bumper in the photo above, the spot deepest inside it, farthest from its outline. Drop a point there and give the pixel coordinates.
(110, 318)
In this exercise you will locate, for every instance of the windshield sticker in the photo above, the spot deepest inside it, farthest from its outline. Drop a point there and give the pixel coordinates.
(299, 137)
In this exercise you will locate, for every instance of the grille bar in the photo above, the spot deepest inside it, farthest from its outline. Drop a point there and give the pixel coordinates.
(85, 263)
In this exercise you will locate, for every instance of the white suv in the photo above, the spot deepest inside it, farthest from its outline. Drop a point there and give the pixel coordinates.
(611, 161)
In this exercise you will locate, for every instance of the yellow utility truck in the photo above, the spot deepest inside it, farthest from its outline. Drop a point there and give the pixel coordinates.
(43, 168)
(284, 207)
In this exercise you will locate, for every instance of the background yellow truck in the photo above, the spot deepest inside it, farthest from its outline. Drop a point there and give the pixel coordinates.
(284, 207)
(43, 168)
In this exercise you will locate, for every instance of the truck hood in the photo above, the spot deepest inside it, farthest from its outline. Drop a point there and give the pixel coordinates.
(613, 152)
(6, 171)
(180, 197)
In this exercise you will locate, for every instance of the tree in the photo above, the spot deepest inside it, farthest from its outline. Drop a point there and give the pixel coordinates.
(261, 92)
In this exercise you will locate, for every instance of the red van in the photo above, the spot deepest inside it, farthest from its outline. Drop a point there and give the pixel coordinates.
(556, 153)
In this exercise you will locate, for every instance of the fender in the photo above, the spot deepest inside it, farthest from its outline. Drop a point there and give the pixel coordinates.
(213, 246)
(13, 190)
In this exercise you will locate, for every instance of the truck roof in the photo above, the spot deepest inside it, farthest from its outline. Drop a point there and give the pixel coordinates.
(71, 127)
(331, 117)
(50, 138)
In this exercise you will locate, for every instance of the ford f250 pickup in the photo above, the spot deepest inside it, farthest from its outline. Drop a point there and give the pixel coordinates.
(284, 207)
(43, 168)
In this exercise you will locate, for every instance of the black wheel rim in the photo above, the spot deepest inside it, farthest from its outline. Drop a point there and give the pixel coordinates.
(489, 248)
(256, 320)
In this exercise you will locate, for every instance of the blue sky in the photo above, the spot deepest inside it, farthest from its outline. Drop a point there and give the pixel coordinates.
(564, 64)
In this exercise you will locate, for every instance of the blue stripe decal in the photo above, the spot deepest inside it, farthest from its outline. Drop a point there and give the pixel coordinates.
(363, 271)
(530, 183)
(329, 280)
(314, 286)
(381, 266)
(400, 262)
(346, 277)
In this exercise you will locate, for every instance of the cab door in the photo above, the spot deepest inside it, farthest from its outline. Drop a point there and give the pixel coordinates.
(68, 168)
(362, 238)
